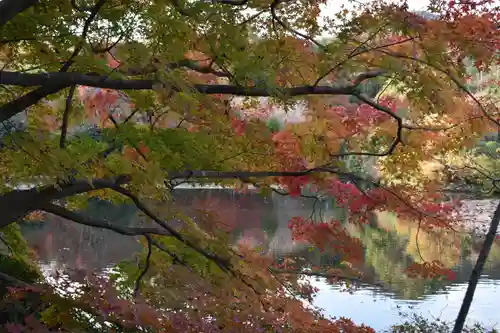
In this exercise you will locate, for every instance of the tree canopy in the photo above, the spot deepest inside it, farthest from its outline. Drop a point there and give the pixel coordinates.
(125, 100)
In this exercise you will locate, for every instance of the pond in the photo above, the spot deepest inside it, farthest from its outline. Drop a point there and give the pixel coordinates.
(390, 247)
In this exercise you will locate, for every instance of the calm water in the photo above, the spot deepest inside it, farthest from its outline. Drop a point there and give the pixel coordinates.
(390, 247)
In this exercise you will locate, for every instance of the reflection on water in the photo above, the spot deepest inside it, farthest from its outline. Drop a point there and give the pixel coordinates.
(390, 246)
(381, 309)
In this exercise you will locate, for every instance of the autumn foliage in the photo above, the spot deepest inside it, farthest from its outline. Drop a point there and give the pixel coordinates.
(126, 100)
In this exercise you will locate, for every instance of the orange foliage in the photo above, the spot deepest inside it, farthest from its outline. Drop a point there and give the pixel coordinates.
(431, 270)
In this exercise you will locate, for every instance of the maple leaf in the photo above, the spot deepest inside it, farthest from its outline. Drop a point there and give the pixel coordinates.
(204, 93)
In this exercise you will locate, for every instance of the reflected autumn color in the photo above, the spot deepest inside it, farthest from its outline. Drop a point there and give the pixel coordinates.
(390, 246)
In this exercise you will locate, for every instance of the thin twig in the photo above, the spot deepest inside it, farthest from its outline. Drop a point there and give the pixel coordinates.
(85, 31)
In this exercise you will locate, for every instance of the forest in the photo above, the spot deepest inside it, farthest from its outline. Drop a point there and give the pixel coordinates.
(118, 115)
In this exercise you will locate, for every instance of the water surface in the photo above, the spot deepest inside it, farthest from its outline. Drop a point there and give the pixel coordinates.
(390, 247)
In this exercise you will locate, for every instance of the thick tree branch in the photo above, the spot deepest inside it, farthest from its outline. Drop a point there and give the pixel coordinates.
(10, 8)
(55, 79)
(36, 95)
(211, 174)
(15, 204)
(18, 105)
(102, 224)
(241, 174)
(54, 82)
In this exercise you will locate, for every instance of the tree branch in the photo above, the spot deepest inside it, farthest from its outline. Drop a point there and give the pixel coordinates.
(55, 79)
(240, 174)
(15, 204)
(85, 31)
(252, 174)
(18, 105)
(54, 82)
(175, 258)
(274, 6)
(460, 85)
(10, 8)
(102, 224)
(36, 95)
(13, 280)
(65, 121)
(146, 266)
(186, 63)
(221, 263)
(397, 138)
(232, 2)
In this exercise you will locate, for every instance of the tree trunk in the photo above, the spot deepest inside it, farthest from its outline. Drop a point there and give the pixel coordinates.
(476, 272)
